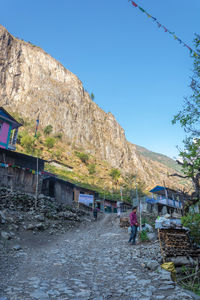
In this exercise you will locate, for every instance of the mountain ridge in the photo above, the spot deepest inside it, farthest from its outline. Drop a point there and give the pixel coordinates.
(33, 83)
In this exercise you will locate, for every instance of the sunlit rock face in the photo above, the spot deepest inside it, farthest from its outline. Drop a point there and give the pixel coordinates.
(32, 83)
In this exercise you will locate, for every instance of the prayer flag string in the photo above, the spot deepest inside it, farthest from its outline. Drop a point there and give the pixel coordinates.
(3, 165)
(165, 28)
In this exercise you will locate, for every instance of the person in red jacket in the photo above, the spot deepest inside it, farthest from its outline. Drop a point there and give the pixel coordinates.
(134, 225)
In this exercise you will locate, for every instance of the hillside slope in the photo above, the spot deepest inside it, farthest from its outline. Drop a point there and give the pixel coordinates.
(161, 158)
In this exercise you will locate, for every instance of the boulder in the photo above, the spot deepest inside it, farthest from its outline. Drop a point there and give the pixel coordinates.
(16, 247)
(30, 227)
(124, 222)
(40, 226)
(152, 265)
(147, 227)
(2, 217)
(40, 218)
(6, 235)
(182, 261)
(151, 236)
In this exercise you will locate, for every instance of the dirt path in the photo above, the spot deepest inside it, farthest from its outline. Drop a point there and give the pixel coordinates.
(92, 262)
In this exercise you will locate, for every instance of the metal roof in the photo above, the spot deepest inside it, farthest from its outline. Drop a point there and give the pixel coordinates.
(158, 188)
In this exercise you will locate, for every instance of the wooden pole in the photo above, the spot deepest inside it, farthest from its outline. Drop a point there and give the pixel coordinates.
(140, 214)
(36, 190)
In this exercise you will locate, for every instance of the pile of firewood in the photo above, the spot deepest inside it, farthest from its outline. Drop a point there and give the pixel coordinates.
(176, 242)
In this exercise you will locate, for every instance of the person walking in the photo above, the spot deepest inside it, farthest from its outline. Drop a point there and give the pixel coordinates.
(95, 211)
(134, 225)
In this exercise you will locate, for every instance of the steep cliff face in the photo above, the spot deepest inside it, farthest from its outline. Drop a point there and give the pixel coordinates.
(32, 83)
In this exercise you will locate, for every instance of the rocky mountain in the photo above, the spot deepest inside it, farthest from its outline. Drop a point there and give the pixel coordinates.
(33, 83)
(163, 159)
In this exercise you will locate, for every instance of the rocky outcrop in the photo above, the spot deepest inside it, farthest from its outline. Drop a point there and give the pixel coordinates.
(32, 83)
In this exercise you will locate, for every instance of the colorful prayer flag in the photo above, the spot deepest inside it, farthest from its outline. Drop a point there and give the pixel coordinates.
(134, 4)
(141, 9)
(148, 15)
(37, 125)
(165, 29)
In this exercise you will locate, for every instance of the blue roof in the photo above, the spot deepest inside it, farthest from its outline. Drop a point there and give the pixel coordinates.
(157, 189)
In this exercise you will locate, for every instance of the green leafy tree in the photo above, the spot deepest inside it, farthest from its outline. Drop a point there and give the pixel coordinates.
(129, 185)
(190, 163)
(48, 129)
(50, 142)
(189, 119)
(189, 116)
(115, 175)
(192, 221)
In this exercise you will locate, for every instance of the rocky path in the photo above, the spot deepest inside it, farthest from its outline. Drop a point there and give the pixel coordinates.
(92, 262)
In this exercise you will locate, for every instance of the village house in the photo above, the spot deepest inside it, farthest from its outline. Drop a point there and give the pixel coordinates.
(8, 130)
(66, 192)
(18, 171)
(165, 200)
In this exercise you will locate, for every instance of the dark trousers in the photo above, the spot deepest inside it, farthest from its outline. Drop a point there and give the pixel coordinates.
(133, 234)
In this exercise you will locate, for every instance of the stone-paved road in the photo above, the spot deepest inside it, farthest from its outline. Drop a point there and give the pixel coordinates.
(93, 262)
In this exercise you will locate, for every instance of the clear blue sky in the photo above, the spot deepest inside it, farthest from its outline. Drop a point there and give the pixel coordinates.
(135, 70)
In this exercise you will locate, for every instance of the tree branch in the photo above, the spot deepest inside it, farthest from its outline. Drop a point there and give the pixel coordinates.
(178, 175)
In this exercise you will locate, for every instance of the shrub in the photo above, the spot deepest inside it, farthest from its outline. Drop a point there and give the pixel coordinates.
(92, 96)
(83, 157)
(192, 221)
(28, 142)
(92, 169)
(48, 129)
(38, 135)
(115, 174)
(143, 236)
(19, 137)
(50, 142)
(58, 135)
(58, 154)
